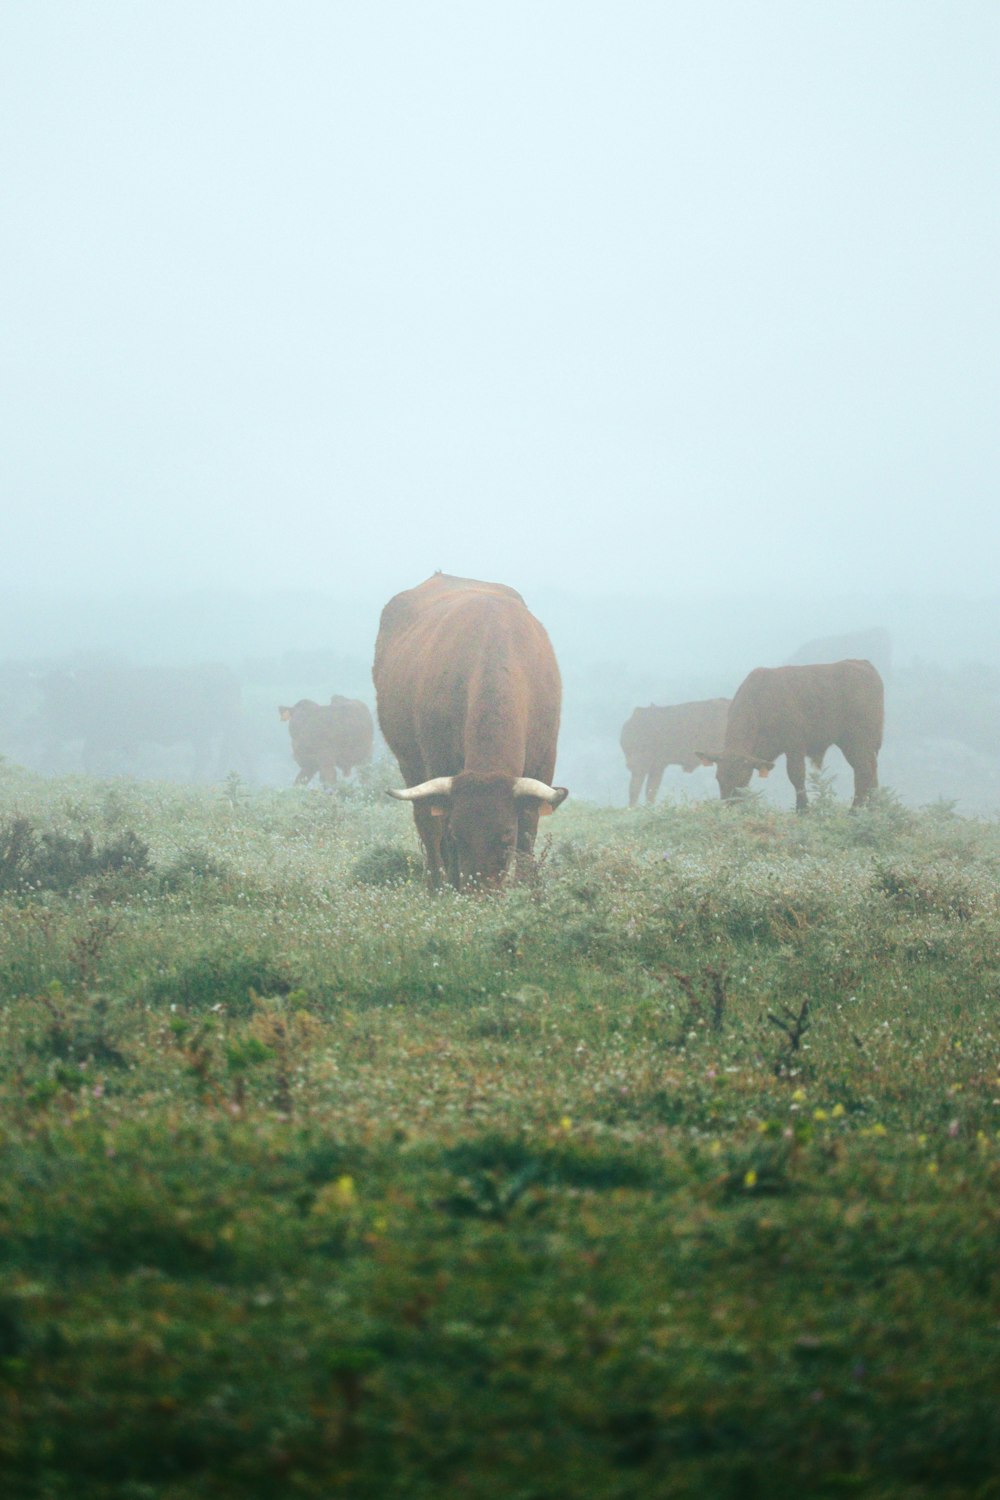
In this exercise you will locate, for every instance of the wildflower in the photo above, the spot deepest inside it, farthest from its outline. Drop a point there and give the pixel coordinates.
(953, 1129)
(344, 1191)
(799, 1096)
(566, 1124)
(838, 1111)
(820, 1114)
(750, 1180)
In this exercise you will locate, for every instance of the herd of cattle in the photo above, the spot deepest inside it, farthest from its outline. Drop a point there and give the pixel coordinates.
(469, 697)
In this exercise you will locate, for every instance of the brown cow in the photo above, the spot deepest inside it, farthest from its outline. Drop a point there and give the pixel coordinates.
(328, 736)
(468, 701)
(660, 736)
(799, 712)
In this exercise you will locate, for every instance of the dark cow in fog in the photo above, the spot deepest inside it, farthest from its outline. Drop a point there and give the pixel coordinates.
(469, 696)
(800, 712)
(114, 712)
(874, 645)
(660, 736)
(327, 737)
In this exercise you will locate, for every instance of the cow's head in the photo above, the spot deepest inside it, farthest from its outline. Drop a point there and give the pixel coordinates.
(733, 769)
(482, 814)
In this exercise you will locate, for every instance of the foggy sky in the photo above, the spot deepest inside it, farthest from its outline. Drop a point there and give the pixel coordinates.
(673, 298)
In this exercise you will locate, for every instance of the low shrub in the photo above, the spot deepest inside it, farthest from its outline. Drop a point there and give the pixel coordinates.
(52, 861)
(222, 979)
(385, 864)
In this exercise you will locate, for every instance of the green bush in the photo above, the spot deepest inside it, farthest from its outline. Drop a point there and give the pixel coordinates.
(385, 864)
(53, 861)
(222, 980)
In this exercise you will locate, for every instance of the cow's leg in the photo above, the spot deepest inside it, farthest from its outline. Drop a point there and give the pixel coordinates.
(864, 764)
(328, 774)
(795, 765)
(635, 787)
(653, 784)
(527, 831)
(527, 828)
(305, 776)
(430, 828)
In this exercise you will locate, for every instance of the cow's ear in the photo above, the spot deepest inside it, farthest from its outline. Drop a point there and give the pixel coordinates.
(438, 810)
(706, 758)
(284, 713)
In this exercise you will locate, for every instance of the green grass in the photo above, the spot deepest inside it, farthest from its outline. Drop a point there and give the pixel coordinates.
(672, 1174)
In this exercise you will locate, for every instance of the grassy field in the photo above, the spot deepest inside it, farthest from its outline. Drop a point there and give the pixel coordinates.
(676, 1173)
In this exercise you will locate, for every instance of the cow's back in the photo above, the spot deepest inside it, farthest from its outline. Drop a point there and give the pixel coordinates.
(807, 708)
(437, 646)
(405, 609)
(353, 730)
(670, 734)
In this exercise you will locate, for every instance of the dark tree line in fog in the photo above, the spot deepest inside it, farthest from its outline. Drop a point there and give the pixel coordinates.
(191, 693)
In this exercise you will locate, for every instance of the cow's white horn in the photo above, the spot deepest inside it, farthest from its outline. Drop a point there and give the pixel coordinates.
(438, 786)
(527, 786)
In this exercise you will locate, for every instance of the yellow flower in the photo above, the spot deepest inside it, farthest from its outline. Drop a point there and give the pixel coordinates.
(344, 1191)
(335, 1196)
(799, 1095)
(750, 1180)
(566, 1123)
(838, 1111)
(820, 1114)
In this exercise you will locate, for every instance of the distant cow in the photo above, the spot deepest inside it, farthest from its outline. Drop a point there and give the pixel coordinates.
(327, 737)
(799, 712)
(469, 696)
(874, 645)
(660, 736)
(115, 711)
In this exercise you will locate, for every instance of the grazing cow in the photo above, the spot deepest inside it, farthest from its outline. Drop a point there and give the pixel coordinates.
(327, 737)
(657, 737)
(799, 712)
(469, 696)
